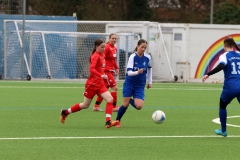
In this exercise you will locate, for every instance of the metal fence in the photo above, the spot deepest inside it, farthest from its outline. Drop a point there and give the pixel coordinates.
(11, 7)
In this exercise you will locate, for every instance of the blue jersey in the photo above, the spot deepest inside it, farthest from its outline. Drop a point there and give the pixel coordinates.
(231, 60)
(231, 87)
(134, 64)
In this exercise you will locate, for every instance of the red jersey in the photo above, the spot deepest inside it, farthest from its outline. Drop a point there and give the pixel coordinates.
(110, 57)
(97, 67)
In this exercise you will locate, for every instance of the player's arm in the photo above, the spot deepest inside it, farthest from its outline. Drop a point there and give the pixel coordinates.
(115, 64)
(130, 64)
(218, 68)
(134, 73)
(106, 51)
(149, 73)
(94, 60)
(116, 67)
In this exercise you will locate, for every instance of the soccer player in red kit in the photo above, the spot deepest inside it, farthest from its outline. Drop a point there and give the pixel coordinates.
(94, 85)
(111, 70)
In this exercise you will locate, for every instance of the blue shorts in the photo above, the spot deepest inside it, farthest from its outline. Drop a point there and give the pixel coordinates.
(228, 95)
(133, 91)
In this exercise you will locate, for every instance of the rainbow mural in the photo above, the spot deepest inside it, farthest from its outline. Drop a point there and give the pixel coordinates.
(211, 56)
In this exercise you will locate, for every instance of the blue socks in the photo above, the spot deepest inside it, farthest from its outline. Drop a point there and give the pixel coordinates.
(121, 112)
(223, 119)
(132, 103)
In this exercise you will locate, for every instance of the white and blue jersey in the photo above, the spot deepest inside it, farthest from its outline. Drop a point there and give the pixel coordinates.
(231, 87)
(134, 84)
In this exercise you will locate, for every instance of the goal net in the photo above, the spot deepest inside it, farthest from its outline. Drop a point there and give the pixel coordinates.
(61, 49)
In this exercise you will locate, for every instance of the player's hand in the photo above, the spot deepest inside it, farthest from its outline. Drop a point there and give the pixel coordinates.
(117, 72)
(140, 71)
(104, 76)
(204, 78)
(149, 86)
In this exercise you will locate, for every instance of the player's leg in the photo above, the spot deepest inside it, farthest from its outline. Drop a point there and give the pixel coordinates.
(97, 104)
(75, 108)
(113, 85)
(114, 95)
(225, 99)
(100, 99)
(122, 109)
(105, 94)
(89, 93)
(138, 103)
(127, 94)
(223, 114)
(138, 95)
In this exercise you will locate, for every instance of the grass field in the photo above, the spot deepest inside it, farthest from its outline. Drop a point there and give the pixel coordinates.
(30, 126)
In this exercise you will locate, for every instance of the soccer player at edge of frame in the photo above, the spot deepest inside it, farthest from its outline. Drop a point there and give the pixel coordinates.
(94, 85)
(139, 70)
(228, 62)
(111, 69)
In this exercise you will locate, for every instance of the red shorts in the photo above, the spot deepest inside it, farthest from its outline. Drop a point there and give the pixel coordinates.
(110, 82)
(91, 90)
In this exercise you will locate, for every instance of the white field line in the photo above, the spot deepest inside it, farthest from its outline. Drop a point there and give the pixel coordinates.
(217, 120)
(116, 137)
(161, 88)
(24, 87)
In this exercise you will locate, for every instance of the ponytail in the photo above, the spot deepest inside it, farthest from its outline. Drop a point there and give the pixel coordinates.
(139, 43)
(229, 42)
(93, 51)
(97, 42)
(236, 46)
(135, 50)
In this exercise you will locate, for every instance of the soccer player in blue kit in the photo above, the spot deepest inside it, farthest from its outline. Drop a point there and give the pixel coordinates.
(139, 70)
(229, 62)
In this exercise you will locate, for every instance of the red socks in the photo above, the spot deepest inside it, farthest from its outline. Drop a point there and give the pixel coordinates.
(73, 109)
(108, 111)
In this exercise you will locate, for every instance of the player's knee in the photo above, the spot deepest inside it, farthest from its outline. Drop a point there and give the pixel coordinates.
(125, 104)
(84, 105)
(223, 105)
(109, 99)
(138, 107)
(115, 88)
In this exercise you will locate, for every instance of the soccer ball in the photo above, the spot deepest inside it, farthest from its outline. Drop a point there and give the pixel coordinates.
(158, 117)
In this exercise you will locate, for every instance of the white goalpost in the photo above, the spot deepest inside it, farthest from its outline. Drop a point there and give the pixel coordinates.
(61, 49)
(171, 75)
(60, 55)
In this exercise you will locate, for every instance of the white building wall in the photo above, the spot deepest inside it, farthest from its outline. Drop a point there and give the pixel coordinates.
(186, 44)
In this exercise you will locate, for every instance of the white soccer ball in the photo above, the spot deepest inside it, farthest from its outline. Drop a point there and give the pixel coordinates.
(158, 117)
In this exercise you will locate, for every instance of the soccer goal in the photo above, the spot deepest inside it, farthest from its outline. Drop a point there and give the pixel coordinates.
(60, 55)
(61, 49)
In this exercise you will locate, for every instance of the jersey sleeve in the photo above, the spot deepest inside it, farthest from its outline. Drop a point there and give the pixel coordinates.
(115, 64)
(150, 62)
(130, 63)
(106, 50)
(223, 59)
(94, 60)
(115, 61)
(149, 75)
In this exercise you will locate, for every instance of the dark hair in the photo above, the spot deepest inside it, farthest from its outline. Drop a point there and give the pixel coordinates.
(110, 35)
(97, 42)
(139, 43)
(229, 42)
